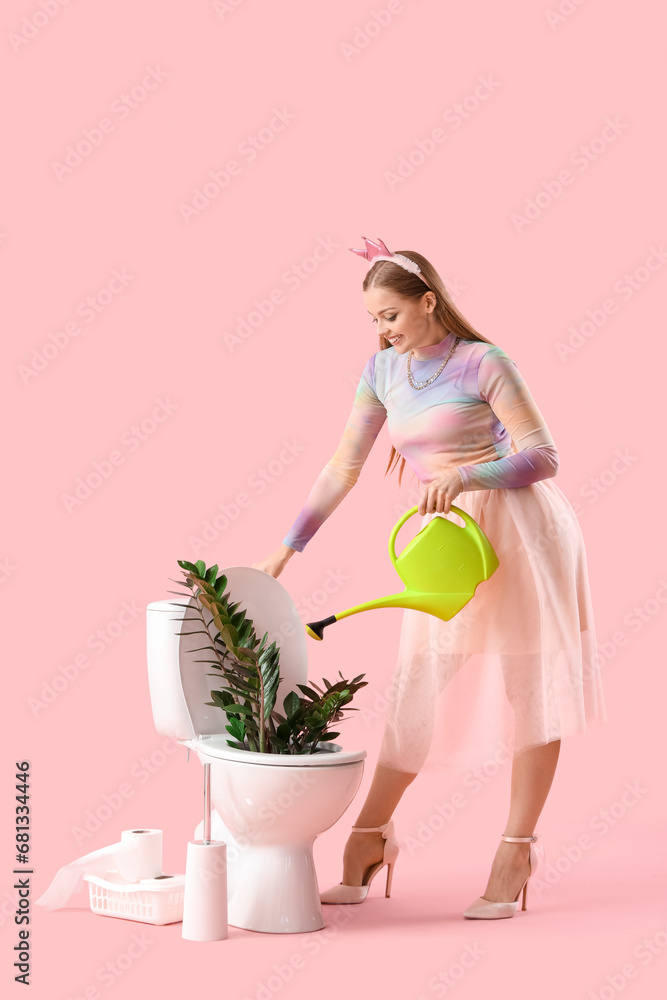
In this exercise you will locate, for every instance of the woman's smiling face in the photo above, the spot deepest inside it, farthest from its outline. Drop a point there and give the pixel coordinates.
(408, 324)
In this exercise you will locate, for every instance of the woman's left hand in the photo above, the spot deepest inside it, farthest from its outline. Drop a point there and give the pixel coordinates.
(437, 496)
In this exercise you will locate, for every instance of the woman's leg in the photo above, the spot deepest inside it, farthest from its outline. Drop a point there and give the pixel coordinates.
(532, 774)
(364, 849)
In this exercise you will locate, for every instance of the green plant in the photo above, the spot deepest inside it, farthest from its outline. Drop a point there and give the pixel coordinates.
(249, 667)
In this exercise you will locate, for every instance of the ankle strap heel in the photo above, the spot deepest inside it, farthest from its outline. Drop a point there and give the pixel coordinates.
(487, 909)
(343, 893)
(371, 829)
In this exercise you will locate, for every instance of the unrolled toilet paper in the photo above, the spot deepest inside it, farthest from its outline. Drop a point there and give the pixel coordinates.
(136, 856)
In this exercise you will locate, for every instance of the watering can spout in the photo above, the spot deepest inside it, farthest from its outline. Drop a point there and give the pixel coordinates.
(443, 606)
(316, 628)
(441, 568)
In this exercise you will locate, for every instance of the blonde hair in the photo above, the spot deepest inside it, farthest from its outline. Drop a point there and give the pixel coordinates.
(386, 274)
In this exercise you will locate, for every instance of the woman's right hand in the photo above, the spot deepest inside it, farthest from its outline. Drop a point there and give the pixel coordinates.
(276, 562)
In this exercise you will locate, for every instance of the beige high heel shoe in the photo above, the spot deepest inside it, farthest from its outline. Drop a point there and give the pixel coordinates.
(342, 893)
(486, 909)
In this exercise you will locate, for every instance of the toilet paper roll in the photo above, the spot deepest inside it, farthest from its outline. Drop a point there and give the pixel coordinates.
(205, 896)
(137, 855)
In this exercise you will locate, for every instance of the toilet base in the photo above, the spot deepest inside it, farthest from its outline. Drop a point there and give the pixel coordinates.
(276, 889)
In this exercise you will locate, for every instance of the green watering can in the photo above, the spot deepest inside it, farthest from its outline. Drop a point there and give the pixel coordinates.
(440, 567)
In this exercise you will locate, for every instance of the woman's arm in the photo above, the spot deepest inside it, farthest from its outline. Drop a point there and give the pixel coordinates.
(503, 388)
(342, 471)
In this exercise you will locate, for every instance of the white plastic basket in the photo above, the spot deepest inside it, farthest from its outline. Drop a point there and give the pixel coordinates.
(151, 900)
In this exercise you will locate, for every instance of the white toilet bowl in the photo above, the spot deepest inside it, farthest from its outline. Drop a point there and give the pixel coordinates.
(274, 812)
(273, 806)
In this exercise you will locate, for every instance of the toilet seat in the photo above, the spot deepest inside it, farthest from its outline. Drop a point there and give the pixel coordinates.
(217, 746)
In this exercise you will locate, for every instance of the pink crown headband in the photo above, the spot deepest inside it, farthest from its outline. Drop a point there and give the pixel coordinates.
(377, 250)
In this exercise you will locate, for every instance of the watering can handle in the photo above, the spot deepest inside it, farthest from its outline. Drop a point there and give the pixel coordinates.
(469, 522)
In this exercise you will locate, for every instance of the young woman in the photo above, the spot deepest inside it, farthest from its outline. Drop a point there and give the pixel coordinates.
(523, 649)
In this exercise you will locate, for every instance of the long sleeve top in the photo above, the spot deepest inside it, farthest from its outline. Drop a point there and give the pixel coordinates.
(478, 417)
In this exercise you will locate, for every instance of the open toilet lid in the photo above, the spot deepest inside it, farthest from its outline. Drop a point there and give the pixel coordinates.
(186, 715)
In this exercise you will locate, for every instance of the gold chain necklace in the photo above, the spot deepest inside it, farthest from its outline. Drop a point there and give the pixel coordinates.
(422, 385)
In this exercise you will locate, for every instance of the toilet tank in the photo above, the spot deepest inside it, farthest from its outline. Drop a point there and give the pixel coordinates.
(180, 684)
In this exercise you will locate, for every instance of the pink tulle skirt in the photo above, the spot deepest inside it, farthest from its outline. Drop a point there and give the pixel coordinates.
(517, 666)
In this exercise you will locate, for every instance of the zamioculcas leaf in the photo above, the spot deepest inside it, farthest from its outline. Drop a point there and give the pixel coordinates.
(240, 670)
(230, 635)
(220, 619)
(236, 728)
(237, 709)
(218, 698)
(223, 696)
(309, 691)
(184, 564)
(244, 632)
(291, 704)
(242, 694)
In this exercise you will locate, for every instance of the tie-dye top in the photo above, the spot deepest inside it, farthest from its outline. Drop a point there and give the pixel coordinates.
(478, 416)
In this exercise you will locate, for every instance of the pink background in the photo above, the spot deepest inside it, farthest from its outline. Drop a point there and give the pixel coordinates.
(358, 97)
